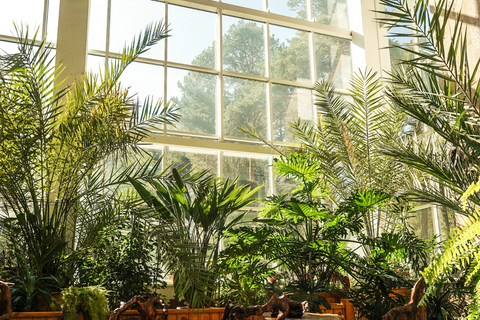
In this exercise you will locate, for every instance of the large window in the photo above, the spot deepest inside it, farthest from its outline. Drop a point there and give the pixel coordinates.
(226, 69)
(227, 64)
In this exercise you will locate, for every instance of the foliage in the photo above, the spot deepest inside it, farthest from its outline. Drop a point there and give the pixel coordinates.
(89, 299)
(189, 219)
(54, 142)
(436, 85)
(244, 280)
(120, 260)
(384, 270)
(298, 233)
(346, 146)
(29, 291)
(460, 252)
(447, 299)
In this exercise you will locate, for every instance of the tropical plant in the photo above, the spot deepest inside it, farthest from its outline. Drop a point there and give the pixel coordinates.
(54, 143)
(120, 251)
(460, 253)
(346, 144)
(396, 260)
(436, 85)
(244, 280)
(29, 291)
(447, 300)
(298, 233)
(190, 216)
(90, 300)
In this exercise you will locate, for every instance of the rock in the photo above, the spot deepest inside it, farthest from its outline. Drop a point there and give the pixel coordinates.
(321, 316)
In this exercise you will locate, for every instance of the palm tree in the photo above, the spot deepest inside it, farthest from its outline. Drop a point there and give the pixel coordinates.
(438, 87)
(347, 142)
(54, 144)
(191, 214)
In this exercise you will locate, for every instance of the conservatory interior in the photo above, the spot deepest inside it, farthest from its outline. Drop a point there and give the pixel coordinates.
(239, 159)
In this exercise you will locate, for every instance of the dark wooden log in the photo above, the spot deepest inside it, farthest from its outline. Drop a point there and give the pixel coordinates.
(243, 313)
(279, 303)
(411, 311)
(5, 302)
(228, 308)
(174, 303)
(281, 307)
(247, 313)
(145, 305)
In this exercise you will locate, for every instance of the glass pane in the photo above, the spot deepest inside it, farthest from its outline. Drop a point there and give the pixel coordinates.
(192, 159)
(8, 48)
(244, 104)
(290, 56)
(95, 64)
(193, 36)
(285, 185)
(243, 46)
(334, 60)
(447, 221)
(194, 94)
(250, 171)
(295, 8)
(52, 20)
(21, 12)
(153, 154)
(156, 152)
(129, 18)
(246, 221)
(397, 54)
(254, 4)
(144, 80)
(288, 104)
(97, 26)
(422, 223)
(331, 12)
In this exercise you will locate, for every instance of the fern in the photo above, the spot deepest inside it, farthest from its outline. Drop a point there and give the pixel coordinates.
(89, 299)
(461, 251)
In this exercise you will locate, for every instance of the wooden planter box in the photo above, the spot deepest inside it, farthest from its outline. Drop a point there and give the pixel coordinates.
(173, 314)
(47, 315)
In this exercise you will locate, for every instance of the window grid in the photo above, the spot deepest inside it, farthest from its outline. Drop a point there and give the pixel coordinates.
(219, 70)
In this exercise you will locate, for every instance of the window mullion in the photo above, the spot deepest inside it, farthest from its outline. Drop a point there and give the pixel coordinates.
(220, 83)
(165, 66)
(269, 84)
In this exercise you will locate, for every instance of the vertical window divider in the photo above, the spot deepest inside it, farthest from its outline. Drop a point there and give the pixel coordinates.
(310, 10)
(313, 61)
(220, 163)
(164, 157)
(269, 83)
(165, 67)
(107, 40)
(45, 18)
(271, 177)
(269, 104)
(220, 82)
